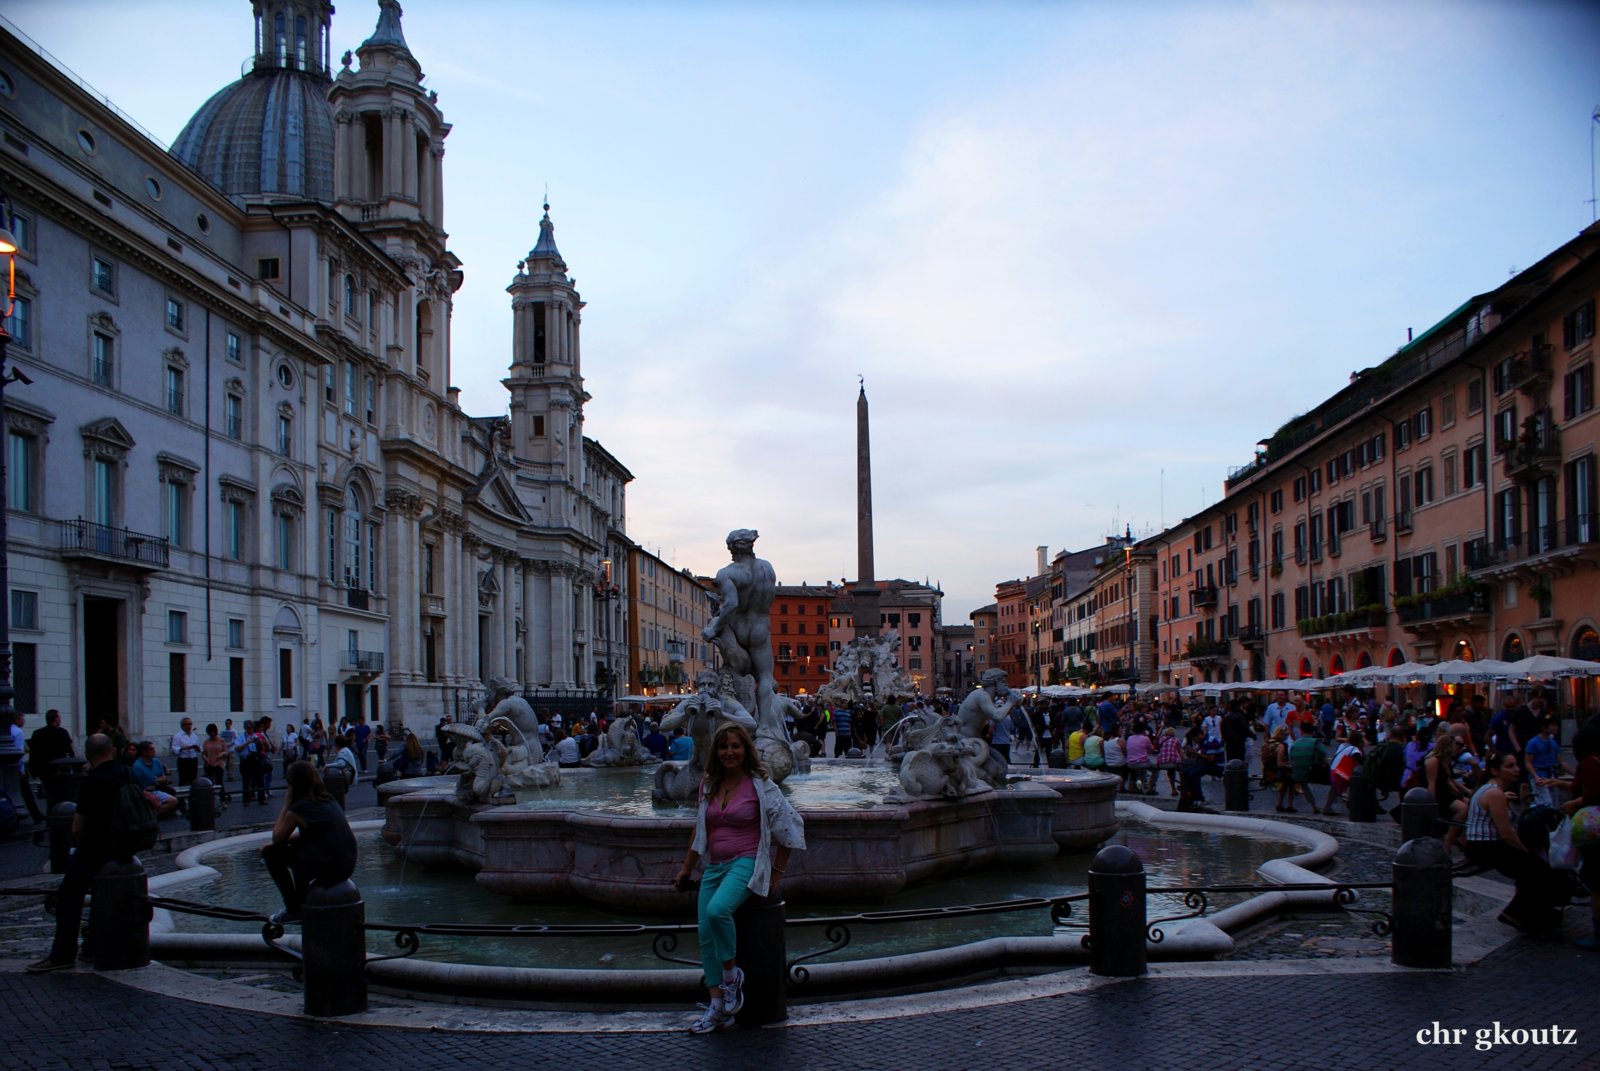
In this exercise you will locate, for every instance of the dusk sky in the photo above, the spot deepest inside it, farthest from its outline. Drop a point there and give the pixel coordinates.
(1085, 254)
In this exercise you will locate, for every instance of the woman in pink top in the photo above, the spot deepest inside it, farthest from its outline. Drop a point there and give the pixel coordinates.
(1141, 760)
(742, 816)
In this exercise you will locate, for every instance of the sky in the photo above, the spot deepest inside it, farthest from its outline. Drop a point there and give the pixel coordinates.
(1084, 254)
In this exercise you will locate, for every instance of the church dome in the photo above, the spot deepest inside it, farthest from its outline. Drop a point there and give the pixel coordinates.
(271, 132)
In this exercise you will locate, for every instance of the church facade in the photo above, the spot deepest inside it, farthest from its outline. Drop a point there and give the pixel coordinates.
(239, 481)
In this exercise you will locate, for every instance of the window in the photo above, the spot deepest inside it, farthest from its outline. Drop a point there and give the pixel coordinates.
(350, 295)
(1578, 325)
(103, 276)
(235, 348)
(1314, 484)
(1277, 615)
(177, 626)
(1447, 410)
(370, 386)
(177, 682)
(1402, 435)
(233, 416)
(329, 391)
(22, 231)
(1505, 429)
(1275, 501)
(176, 313)
(285, 673)
(1277, 547)
(267, 268)
(233, 530)
(1578, 391)
(350, 385)
(1583, 522)
(1508, 518)
(1448, 462)
(104, 505)
(25, 610)
(285, 435)
(1475, 397)
(538, 427)
(19, 325)
(1424, 422)
(284, 541)
(174, 390)
(1423, 485)
(22, 470)
(236, 633)
(175, 511)
(427, 568)
(1299, 488)
(1474, 464)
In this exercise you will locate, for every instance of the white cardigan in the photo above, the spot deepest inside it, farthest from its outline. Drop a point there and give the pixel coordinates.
(779, 821)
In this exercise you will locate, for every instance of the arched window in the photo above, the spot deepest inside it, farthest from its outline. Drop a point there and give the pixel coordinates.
(280, 49)
(349, 295)
(1512, 650)
(1396, 657)
(351, 562)
(1363, 660)
(1586, 644)
(1282, 671)
(300, 42)
(1305, 667)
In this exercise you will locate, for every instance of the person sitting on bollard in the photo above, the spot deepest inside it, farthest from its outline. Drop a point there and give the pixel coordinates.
(1449, 794)
(311, 841)
(151, 775)
(1490, 840)
(1202, 758)
(91, 828)
(746, 829)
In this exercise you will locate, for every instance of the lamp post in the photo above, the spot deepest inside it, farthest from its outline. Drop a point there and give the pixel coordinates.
(10, 754)
(607, 592)
(1133, 668)
(1038, 663)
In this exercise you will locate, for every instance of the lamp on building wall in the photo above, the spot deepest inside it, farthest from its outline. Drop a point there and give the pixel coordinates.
(10, 754)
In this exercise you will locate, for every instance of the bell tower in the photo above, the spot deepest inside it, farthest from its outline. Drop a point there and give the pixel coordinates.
(546, 377)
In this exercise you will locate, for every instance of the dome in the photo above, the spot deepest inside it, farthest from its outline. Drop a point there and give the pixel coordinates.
(271, 132)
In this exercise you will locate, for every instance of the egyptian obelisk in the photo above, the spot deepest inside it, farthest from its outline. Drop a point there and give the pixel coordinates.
(865, 603)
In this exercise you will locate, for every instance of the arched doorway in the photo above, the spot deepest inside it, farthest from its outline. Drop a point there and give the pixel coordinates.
(1396, 657)
(1586, 644)
(1282, 672)
(1337, 666)
(1305, 669)
(1465, 651)
(1513, 650)
(1238, 676)
(1363, 660)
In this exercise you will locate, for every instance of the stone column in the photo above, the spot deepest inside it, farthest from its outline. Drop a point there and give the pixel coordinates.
(508, 618)
(408, 156)
(560, 627)
(392, 141)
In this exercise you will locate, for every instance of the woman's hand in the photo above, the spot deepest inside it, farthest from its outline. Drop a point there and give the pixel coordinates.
(684, 880)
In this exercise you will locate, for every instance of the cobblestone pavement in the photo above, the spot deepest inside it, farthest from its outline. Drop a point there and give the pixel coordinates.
(1306, 990)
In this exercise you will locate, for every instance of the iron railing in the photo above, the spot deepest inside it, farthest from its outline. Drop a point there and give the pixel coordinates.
(121, 544)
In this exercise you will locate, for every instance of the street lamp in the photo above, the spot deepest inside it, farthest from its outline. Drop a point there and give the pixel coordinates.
(1038, 663)
(10, 754)
(607, 592)
(1133, 668)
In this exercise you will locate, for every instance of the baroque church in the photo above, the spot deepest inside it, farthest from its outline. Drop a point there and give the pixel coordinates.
(239, 480)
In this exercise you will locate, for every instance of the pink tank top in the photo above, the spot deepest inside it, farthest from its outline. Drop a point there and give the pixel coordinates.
(734, 832)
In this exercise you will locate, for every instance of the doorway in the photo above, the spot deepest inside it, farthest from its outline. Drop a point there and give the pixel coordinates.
(103, 670)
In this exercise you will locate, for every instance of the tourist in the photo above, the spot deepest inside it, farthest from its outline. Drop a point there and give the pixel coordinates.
(1140, 752)
(1490, 841)
(214, 754)
(380, 741)
(682, 747)
(359, 734)
(150, 774)
(267, 740)
(745, 829)
(1169, 757)
(1346, 757)
(185, 749)
(91, 828)
(841, 730)
(654, 741)
(1544, 763)
(566, 751)
(1094, 749)
(1075, 743)
(1202, 758)
(410, 758)
(1448, 793)
(1584, 787)
(1115, 755)
(48, 743)
(344, 761)
(311, 841)
(1308, 765)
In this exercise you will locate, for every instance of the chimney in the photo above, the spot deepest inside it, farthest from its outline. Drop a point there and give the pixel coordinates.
(1044, 561)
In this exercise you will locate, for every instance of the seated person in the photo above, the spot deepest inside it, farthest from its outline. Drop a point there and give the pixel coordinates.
(1491, 840)
(151, 775)
(682, 747)
(311, 841)
(566, 750)
(1202, 758)
(654, 741)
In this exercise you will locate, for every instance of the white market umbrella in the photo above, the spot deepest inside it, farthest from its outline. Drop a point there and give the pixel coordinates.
(1550, 667)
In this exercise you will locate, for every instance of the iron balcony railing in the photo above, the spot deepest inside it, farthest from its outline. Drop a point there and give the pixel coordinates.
(1453, 604)
(81, 537)
(363, 662)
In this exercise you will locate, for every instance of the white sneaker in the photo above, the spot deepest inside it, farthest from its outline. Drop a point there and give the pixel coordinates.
(712, 1018)
(732, 992)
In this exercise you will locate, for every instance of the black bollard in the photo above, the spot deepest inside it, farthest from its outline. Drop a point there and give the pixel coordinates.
(1422, 905)
(1419, 814)
(1058, 759)
(759, 931)
(333, 947)
(385, 774)
(119, 917)
(202, 805)
(1116, 913)
(1236, 786)
(60, 826)
(1363, 800)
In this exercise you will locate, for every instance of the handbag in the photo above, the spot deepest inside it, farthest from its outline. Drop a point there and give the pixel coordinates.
(1563, 853)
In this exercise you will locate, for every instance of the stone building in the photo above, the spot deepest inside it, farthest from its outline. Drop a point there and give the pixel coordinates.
(801, 652)
(668, 608)
(240, 482)
(1442, 505)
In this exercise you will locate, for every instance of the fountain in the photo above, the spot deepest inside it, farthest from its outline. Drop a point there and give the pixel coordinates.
(946, 804)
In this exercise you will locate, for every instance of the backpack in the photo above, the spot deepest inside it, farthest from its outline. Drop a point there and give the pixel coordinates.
(134, 824)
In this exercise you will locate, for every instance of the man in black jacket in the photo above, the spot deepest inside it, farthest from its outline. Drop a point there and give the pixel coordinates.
(91, 828)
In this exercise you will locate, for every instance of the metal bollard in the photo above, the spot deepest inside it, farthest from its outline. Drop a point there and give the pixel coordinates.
(119, 917)
(759, 930)
(202, 805)
(1236, 786)
(60, 826)
(1363, 801)
(333, 948)
(1116, 913)
(385, 774)
(1058, 759)
(1419, 814)
(1422, 904)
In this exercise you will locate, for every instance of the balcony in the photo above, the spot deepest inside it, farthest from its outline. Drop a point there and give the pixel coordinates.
(1529, 371)
(1199, 650)
(1535, 454)
(1444, 609)
(1364, 620)
(1205, 597)
(1559, 546)
(362, 663)
(1252, 636)
(81, 539)
(1402, 522)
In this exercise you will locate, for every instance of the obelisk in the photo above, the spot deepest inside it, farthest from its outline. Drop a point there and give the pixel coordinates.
(865, 603)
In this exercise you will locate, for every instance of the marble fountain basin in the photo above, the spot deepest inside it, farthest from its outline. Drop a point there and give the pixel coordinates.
(598, 838)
